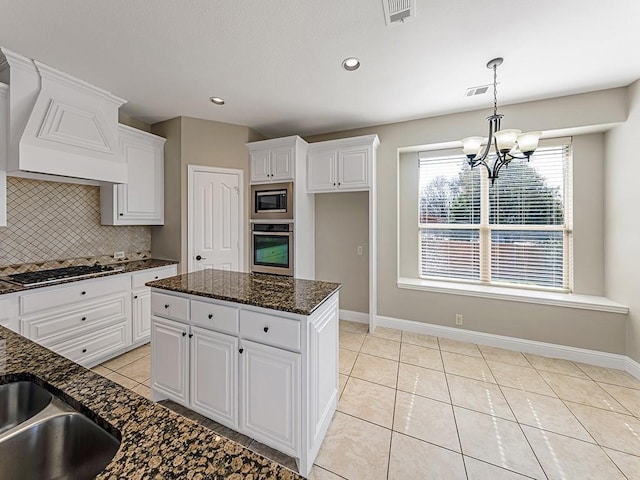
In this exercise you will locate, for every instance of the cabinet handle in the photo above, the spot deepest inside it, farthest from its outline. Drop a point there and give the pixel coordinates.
(241, 350)
(339, 184)
(156, 277)
(334, 184)
(184, 334)
(266, 329)
(166, 305)
(135, 296)
(83, 293)
(191, 335)
(84, 318)
(84, 350)
(210, 316)
(121, 214)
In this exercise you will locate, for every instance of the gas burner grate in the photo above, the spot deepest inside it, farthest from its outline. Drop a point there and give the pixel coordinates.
(42, 277)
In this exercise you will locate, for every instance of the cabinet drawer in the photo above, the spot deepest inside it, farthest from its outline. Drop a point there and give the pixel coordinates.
(214, 317)
(170, 306)
(277, 331)
(139, 279)
(93, 346)
(77, 322)
(72, 293)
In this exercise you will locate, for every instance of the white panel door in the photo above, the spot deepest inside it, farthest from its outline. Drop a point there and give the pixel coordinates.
(270, 395)
(282, 164)
(215, 223)
(214, 375)
(141, 315)
(170, 359)
(260, 166)
(321, 171)
(353, 168)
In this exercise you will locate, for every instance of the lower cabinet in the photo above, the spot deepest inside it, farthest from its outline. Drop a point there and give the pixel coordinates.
(214, 374)
(270, 394)
(141, 315)
(271, 376)
(170, 359)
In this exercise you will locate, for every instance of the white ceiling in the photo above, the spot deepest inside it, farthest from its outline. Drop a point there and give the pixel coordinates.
(277, 63)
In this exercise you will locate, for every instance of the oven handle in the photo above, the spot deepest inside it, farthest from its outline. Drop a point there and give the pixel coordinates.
(278, 234)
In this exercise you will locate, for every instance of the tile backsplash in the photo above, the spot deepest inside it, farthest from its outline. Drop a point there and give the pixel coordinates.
(52, 220)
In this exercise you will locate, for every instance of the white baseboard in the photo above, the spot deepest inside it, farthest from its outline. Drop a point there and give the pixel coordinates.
(353, 316)
(592, 357)
(633, 367)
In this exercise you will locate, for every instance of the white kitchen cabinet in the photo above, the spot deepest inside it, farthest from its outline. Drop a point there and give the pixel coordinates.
(275, 160)
(344, 165)
(272, 165)
(268, 374)
(141, 316)
(141, 301)
(4, 151)
(214, 375)
(9, 312)
(170, 359)
(270, 395)
(140, 201)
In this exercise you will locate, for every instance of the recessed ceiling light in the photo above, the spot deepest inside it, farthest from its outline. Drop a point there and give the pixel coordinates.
(350, 64)
(216, 100)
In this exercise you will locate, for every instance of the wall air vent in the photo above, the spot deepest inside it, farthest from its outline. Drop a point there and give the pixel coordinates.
(480, 90)
(397, 11)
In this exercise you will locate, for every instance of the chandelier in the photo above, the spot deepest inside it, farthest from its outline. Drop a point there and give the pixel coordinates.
(507, 143)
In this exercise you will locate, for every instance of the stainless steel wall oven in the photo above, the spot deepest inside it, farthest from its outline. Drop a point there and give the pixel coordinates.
(272, 248)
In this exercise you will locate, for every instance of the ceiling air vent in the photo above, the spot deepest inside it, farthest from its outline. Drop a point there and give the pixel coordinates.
(397, 11)
(481, 90)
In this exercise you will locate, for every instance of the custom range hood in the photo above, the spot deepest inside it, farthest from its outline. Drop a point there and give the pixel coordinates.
(59, 125)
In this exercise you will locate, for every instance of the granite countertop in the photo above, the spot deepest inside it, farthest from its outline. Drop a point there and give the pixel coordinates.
(133, 266)
(155, 442)
(274, 292)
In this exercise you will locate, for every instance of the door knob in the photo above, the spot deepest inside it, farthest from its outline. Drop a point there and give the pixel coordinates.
(198, 257)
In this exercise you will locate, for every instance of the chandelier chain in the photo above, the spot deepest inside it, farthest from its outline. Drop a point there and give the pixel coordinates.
(495, 89)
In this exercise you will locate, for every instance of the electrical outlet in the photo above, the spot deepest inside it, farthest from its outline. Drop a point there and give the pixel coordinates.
(459, 319)
(118, 255)
(359, 250)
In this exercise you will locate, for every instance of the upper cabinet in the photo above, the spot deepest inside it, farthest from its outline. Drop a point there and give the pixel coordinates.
(274, 160)
(59, 125)
(140, 201)
(341, 165)
(4, 118)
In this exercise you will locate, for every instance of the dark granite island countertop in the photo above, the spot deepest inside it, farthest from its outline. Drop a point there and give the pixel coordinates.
(156, 443)
(274, 292)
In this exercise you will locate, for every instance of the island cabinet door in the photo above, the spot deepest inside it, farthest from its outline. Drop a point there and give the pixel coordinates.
(170, 360)
(214, 375)
(270, 396)
(141, 315)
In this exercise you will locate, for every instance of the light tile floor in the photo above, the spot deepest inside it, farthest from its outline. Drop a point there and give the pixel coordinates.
(419, 407)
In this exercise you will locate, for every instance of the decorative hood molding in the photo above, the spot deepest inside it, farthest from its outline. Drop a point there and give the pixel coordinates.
(59, 125)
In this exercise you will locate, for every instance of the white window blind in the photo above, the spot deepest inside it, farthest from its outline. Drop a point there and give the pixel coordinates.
(515, 232)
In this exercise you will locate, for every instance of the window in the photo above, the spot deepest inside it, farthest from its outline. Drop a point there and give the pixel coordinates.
(516, 232)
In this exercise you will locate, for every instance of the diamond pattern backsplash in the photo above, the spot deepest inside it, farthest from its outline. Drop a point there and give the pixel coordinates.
(51, 220)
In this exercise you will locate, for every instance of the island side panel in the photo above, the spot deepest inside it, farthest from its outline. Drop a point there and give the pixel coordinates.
(323, 326)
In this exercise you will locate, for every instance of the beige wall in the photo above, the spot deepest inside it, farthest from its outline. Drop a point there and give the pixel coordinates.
(133, 122)
(574, 327)
(342, 224)
(166, 240)
(622, 225)
(192, 141)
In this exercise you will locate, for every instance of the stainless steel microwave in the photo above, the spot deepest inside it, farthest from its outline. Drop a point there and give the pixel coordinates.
(273, 201)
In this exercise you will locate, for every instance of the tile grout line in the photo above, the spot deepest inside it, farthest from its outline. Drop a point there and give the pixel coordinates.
(516, 418)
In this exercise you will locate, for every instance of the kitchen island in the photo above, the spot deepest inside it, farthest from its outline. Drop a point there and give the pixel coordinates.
(257, 353)
(154, 441)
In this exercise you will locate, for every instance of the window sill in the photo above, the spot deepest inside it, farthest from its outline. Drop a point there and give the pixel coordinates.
(571, 300)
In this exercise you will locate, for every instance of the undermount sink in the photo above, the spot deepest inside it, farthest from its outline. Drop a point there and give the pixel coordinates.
(42, 438)
(19, 401)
